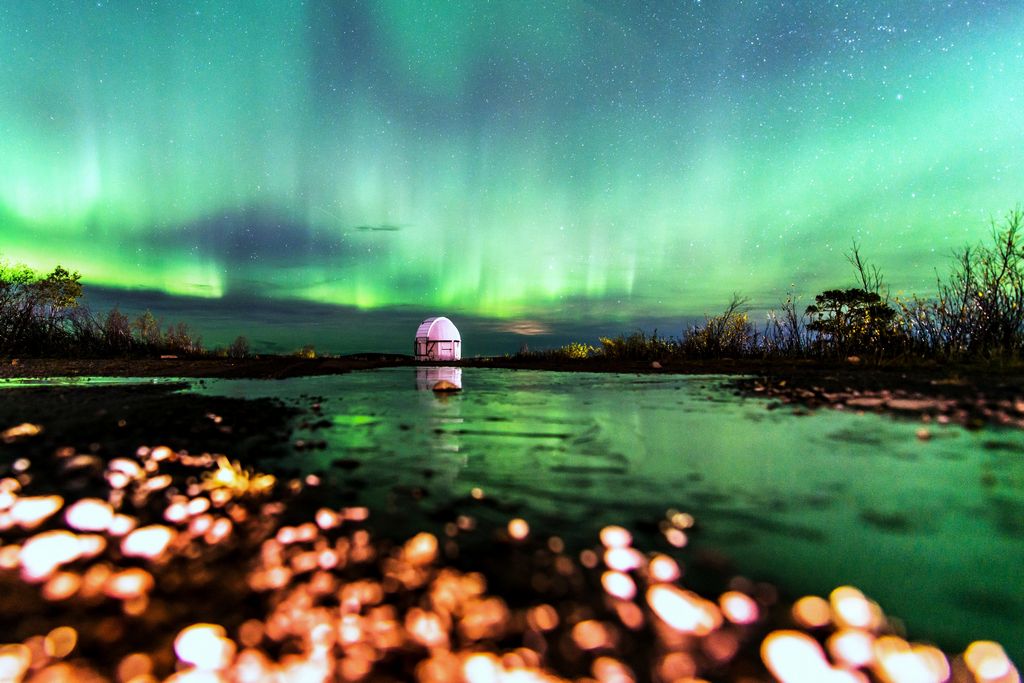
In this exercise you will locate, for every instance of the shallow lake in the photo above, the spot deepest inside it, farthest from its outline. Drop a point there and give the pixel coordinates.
(933, 530)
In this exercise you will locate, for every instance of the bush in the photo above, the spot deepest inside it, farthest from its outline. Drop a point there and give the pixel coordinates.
(979, 309)
(180, 339)
(636, 346)
(727, 334)
(785, 330)
(239, 348)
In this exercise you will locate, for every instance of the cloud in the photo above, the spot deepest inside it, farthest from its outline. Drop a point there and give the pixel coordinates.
(251, 235)
(527, 328)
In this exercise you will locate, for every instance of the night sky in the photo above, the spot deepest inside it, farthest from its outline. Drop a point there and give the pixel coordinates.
(529, 166)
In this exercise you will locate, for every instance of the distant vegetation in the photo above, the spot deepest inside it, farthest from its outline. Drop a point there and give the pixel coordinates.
(977, 314)
(44, 316)
(308, 351)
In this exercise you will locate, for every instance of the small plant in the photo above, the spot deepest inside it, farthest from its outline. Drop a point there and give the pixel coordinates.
(307, 351)
(577, 351)
(239, 348)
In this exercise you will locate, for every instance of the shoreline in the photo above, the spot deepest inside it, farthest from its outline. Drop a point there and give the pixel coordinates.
(970, 395)
(281, 367)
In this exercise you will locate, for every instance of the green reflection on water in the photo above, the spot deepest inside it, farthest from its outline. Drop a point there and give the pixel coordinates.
(932, 530)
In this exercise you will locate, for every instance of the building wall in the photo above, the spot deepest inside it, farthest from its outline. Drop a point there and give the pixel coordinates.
(428, 349)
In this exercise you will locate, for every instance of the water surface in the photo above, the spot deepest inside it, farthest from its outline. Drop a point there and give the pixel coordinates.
(933, 530)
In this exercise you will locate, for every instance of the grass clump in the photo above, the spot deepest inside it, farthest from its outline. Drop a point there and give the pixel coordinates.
(635, 346)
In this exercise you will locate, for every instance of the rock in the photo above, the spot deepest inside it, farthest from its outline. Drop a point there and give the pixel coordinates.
(656, 365)
(444, 386)
(865, 402)
(912, 404)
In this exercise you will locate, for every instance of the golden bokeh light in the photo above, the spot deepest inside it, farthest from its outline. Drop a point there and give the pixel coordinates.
(897, 661)
(851, 608)
(852, 647)
(663, 568)
(593, 635)
(324, 598)
(21, 431)
(204, 646)
(618, 585)
(682, 610)
(89, 514)
(739, 608)
(14, 662)
(616, 537)
(31, 511)
(148, 541)
(60, 642)
(518, 529)
(988, 662)
(795, 657)
(624, 559)
(42, 554)
(812, 612)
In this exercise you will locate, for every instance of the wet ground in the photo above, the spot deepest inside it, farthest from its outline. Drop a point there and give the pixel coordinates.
(722, 486)
(778, 494)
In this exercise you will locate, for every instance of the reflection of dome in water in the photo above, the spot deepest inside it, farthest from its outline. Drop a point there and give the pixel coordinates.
(438, 339)
(428, 378)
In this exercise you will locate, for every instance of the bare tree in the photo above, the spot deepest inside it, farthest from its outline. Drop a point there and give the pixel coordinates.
(869, 275)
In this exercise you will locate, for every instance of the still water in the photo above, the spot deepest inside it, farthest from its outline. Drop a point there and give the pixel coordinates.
(933, 530)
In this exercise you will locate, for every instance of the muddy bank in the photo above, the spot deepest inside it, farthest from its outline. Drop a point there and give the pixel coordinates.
(112, 421)
(281, 367)
(972, 400)
(268, 367)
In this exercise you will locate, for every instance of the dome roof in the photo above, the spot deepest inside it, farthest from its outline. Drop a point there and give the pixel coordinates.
(438, 329)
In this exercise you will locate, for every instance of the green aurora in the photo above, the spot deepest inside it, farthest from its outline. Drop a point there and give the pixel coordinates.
(505, 160)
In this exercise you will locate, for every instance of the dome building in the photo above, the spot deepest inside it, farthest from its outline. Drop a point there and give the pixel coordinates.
(438, 339)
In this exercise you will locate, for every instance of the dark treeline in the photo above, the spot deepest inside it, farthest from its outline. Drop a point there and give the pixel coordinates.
(977, 314)
(43, 315)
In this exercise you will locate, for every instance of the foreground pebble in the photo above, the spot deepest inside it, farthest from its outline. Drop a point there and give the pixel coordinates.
(193, 568)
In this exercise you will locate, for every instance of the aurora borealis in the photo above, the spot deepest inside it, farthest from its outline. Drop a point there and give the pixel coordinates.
(529, 163)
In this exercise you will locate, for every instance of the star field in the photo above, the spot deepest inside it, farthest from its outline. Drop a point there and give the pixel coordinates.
(505, 159)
